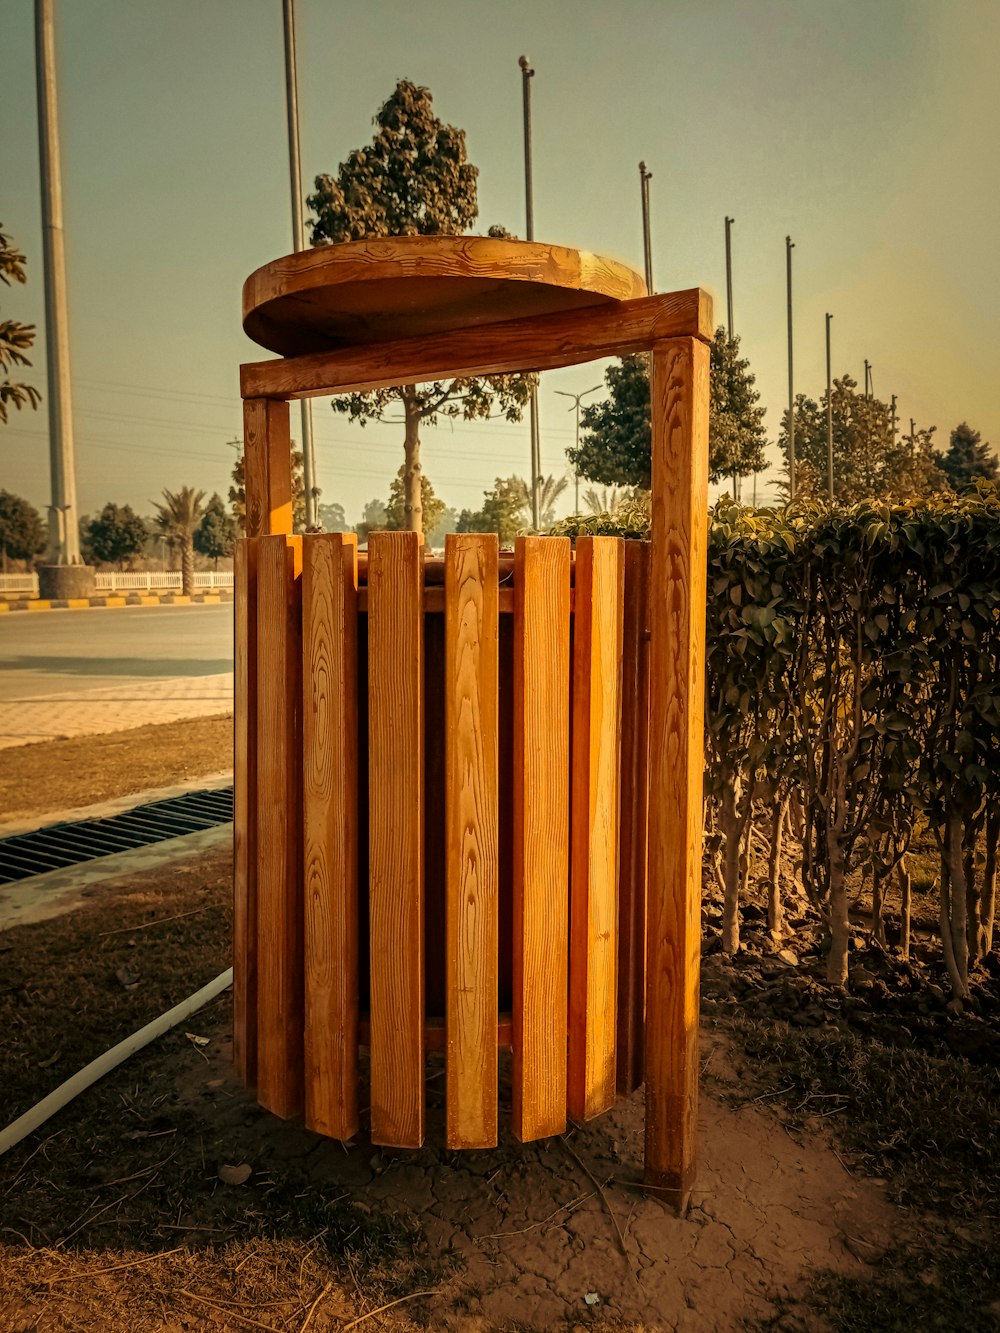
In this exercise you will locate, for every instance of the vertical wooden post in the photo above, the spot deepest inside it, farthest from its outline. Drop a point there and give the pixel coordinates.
(245, 812)
(596, 776)
(267, 467)
(472, 849)
(679, 402)
(396, 836)
(330, 818)
(541, 834)
(280, 995)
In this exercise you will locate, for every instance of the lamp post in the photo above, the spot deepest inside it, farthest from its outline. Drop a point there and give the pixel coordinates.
(298, 240)
(829, 416)
(527, 74)
(729, 276)
(576, 407)
(647, 245)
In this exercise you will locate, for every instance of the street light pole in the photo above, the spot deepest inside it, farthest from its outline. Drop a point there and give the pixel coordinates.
(576, 406)
(729, 276)
(647, 245)
(829, 416)
(298, 240)
(789, 247)
(527, 74)
(64, 535)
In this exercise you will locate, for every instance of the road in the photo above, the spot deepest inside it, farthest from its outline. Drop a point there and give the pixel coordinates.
(77, 672)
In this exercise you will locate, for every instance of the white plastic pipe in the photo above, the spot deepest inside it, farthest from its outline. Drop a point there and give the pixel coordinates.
(104, 1064)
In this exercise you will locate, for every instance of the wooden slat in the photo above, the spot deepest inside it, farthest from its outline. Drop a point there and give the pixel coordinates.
(596, 774)
(541, 835)
(543, 343)
(472, 852)
(395, 821)
(632, 821)
(330, 816)
(245, 812)
(679, 401)
(267, 467)
(279, 825)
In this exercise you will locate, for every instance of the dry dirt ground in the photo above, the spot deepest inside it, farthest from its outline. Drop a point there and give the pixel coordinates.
(85, 770)
(124, 1211)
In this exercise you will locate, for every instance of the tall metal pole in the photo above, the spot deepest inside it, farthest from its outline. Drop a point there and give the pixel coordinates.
(527, 74)
(298, 240)
(563, 393)
(868, 366)
(647, 245)
(729, 276)
(894, 421)
(829, 416)
(64, 531)
(789, 247)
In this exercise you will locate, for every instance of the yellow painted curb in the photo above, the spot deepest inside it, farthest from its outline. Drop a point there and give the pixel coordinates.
(39, 606)
(3, 607)
(115, 601)
(146, 599)
(78, 603)
(180, 599)
(211, 600)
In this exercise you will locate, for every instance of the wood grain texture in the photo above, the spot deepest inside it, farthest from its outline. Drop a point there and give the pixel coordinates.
(632, 821)
(395, 836)
(280, 997)
(410, 286)
(471, 843)
(330, 819)
(245, 811)
(595, 780)
(679, 402)
(267, 467)
(541, 835)
(543, 343)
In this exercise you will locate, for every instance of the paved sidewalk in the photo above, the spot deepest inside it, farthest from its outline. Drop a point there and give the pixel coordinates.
(119, 707)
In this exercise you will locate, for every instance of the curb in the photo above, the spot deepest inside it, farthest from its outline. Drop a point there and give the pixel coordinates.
(133, 599)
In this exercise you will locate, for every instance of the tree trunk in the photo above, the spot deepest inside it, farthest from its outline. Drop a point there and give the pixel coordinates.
(990, 876)
(732, 832)
(973, 901)
(953, 906)
(413, 501)
(187, 566)
(878, 906)
(838, 917)
(775, 914)
(905, 890)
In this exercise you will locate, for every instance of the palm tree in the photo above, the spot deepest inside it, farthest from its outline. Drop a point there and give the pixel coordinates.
(549, 490)
(606, 500)
(176, 520)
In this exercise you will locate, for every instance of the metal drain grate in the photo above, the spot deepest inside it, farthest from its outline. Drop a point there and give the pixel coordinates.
(62, 845)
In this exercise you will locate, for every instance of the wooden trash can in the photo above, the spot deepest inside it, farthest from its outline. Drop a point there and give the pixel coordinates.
(468, 789)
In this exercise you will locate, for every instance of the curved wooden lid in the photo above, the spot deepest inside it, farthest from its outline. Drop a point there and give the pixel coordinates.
(406, 286)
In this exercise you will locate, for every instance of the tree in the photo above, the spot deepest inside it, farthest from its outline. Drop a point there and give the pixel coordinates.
(412, 180)
(22, 533)
(331, 517)
(373, 519)
(868, 462)
(15, 338)
(116, 535)
(177, 519)
(395, 510)
(615, 449)
(238, 494)
(503, 511)
(967, 458)
(216, 533)
(549, 490)
(606, 500)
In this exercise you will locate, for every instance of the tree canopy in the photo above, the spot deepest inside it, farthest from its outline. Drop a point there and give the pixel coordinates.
(412, 180)
(615, 449)
(116, 535)
(22, 532)
(177, 518)
(216, 533)
(15, 338)
(238, 494)
(967, 458)
(868, 462)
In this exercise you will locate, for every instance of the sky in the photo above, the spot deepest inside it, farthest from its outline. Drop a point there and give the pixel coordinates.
(864, 129)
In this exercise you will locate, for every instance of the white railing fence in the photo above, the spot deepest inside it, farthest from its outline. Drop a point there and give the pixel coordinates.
(110, 580)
